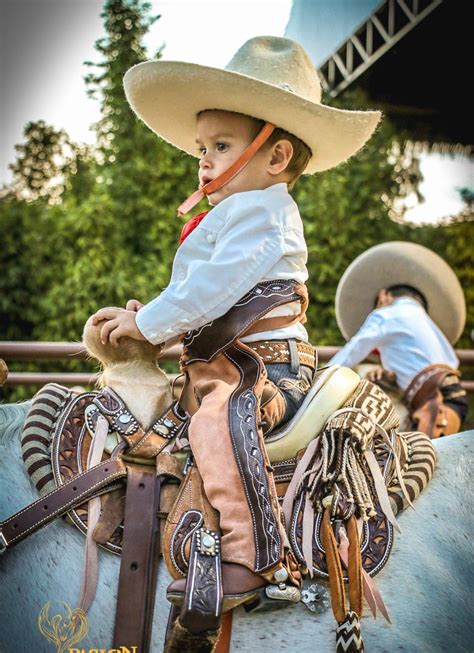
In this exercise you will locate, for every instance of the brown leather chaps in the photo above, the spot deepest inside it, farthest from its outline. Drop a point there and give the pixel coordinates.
(223, 389)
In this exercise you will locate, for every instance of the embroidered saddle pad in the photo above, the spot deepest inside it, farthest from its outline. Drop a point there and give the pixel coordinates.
(60, 424)
(57, 436)
(363, 431)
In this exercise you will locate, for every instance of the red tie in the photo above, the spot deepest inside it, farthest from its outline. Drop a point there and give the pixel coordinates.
(190, 225)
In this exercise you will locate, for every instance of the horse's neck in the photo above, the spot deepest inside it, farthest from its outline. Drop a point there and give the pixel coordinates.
(145, 390)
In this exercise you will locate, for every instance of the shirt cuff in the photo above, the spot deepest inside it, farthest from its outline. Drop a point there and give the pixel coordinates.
(338, 359)
(154, 319)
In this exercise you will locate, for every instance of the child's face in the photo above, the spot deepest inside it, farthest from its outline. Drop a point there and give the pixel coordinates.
(222, 136)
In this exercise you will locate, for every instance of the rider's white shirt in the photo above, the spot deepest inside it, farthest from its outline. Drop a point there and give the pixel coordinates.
(247, 238)
(407, 338)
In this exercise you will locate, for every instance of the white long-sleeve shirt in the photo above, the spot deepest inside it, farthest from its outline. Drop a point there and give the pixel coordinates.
(247, 238)
(406, 337)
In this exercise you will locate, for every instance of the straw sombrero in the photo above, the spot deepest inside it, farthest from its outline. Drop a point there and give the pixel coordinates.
(400, 263)
(269, 78)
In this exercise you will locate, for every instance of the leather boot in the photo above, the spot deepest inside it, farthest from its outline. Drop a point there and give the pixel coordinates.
(240, 586)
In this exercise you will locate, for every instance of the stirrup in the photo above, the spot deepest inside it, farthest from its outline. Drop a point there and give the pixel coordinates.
(203, 595)
(273, 597)
(239, 583)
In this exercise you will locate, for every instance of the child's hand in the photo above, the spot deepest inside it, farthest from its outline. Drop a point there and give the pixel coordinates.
(379, 375)
(133, 305)
(119, 322)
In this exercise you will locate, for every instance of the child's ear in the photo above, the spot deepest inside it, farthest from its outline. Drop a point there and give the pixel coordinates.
(384, 298)
(280, 156)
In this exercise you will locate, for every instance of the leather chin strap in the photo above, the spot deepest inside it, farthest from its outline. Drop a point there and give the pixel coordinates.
(230, 173)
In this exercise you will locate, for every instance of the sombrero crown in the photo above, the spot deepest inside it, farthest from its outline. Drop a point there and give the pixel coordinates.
(269, 78)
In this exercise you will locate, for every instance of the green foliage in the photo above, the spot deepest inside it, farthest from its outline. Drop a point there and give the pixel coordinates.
(344, 214)
(43, 162)
(125, 23)
(454, 243)
(24, 265)
(114, 234)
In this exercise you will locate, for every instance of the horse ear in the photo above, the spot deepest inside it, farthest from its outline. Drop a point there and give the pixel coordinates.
(105, 353)
(3, 371)
(91, 341)
(129, 349)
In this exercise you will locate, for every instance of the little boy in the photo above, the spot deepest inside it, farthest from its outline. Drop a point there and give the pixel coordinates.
(419, 311)
(256, 127)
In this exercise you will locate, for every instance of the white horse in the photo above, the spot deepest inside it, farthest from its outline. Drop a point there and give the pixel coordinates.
(427, 583)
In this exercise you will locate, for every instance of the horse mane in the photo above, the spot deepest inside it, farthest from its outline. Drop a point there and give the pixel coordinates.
(12, 417)
(132, 370)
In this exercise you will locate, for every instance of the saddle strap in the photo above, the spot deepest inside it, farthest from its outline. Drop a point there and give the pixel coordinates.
(336, 582)
(54, 504)
(139, 563)
(370, 589)
(91, 564)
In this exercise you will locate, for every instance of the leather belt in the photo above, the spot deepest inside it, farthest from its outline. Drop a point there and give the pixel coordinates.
(54, 504)
(278, 351)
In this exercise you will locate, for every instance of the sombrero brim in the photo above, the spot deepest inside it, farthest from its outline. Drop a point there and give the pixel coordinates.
(168, 95)
(394, 263)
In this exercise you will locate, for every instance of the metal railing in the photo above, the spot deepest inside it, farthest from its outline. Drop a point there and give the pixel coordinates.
(38, 351)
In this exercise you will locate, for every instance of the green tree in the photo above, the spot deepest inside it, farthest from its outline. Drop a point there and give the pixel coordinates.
(119, 239)
(24, 265)
(44, 161)
(345, 211)
(454, 243)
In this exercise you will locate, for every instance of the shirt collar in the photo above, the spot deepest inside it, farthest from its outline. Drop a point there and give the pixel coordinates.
(407, 300)
(282, 185)
(399, 301)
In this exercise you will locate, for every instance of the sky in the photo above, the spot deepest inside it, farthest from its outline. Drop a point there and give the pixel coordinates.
(322, 25)
(444, 176)
(43, 44)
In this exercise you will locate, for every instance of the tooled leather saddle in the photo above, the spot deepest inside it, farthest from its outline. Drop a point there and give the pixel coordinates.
(425, 400)
(317, 479)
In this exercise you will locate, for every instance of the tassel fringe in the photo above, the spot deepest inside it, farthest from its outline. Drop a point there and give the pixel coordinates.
(340, 476)
(348, 635)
